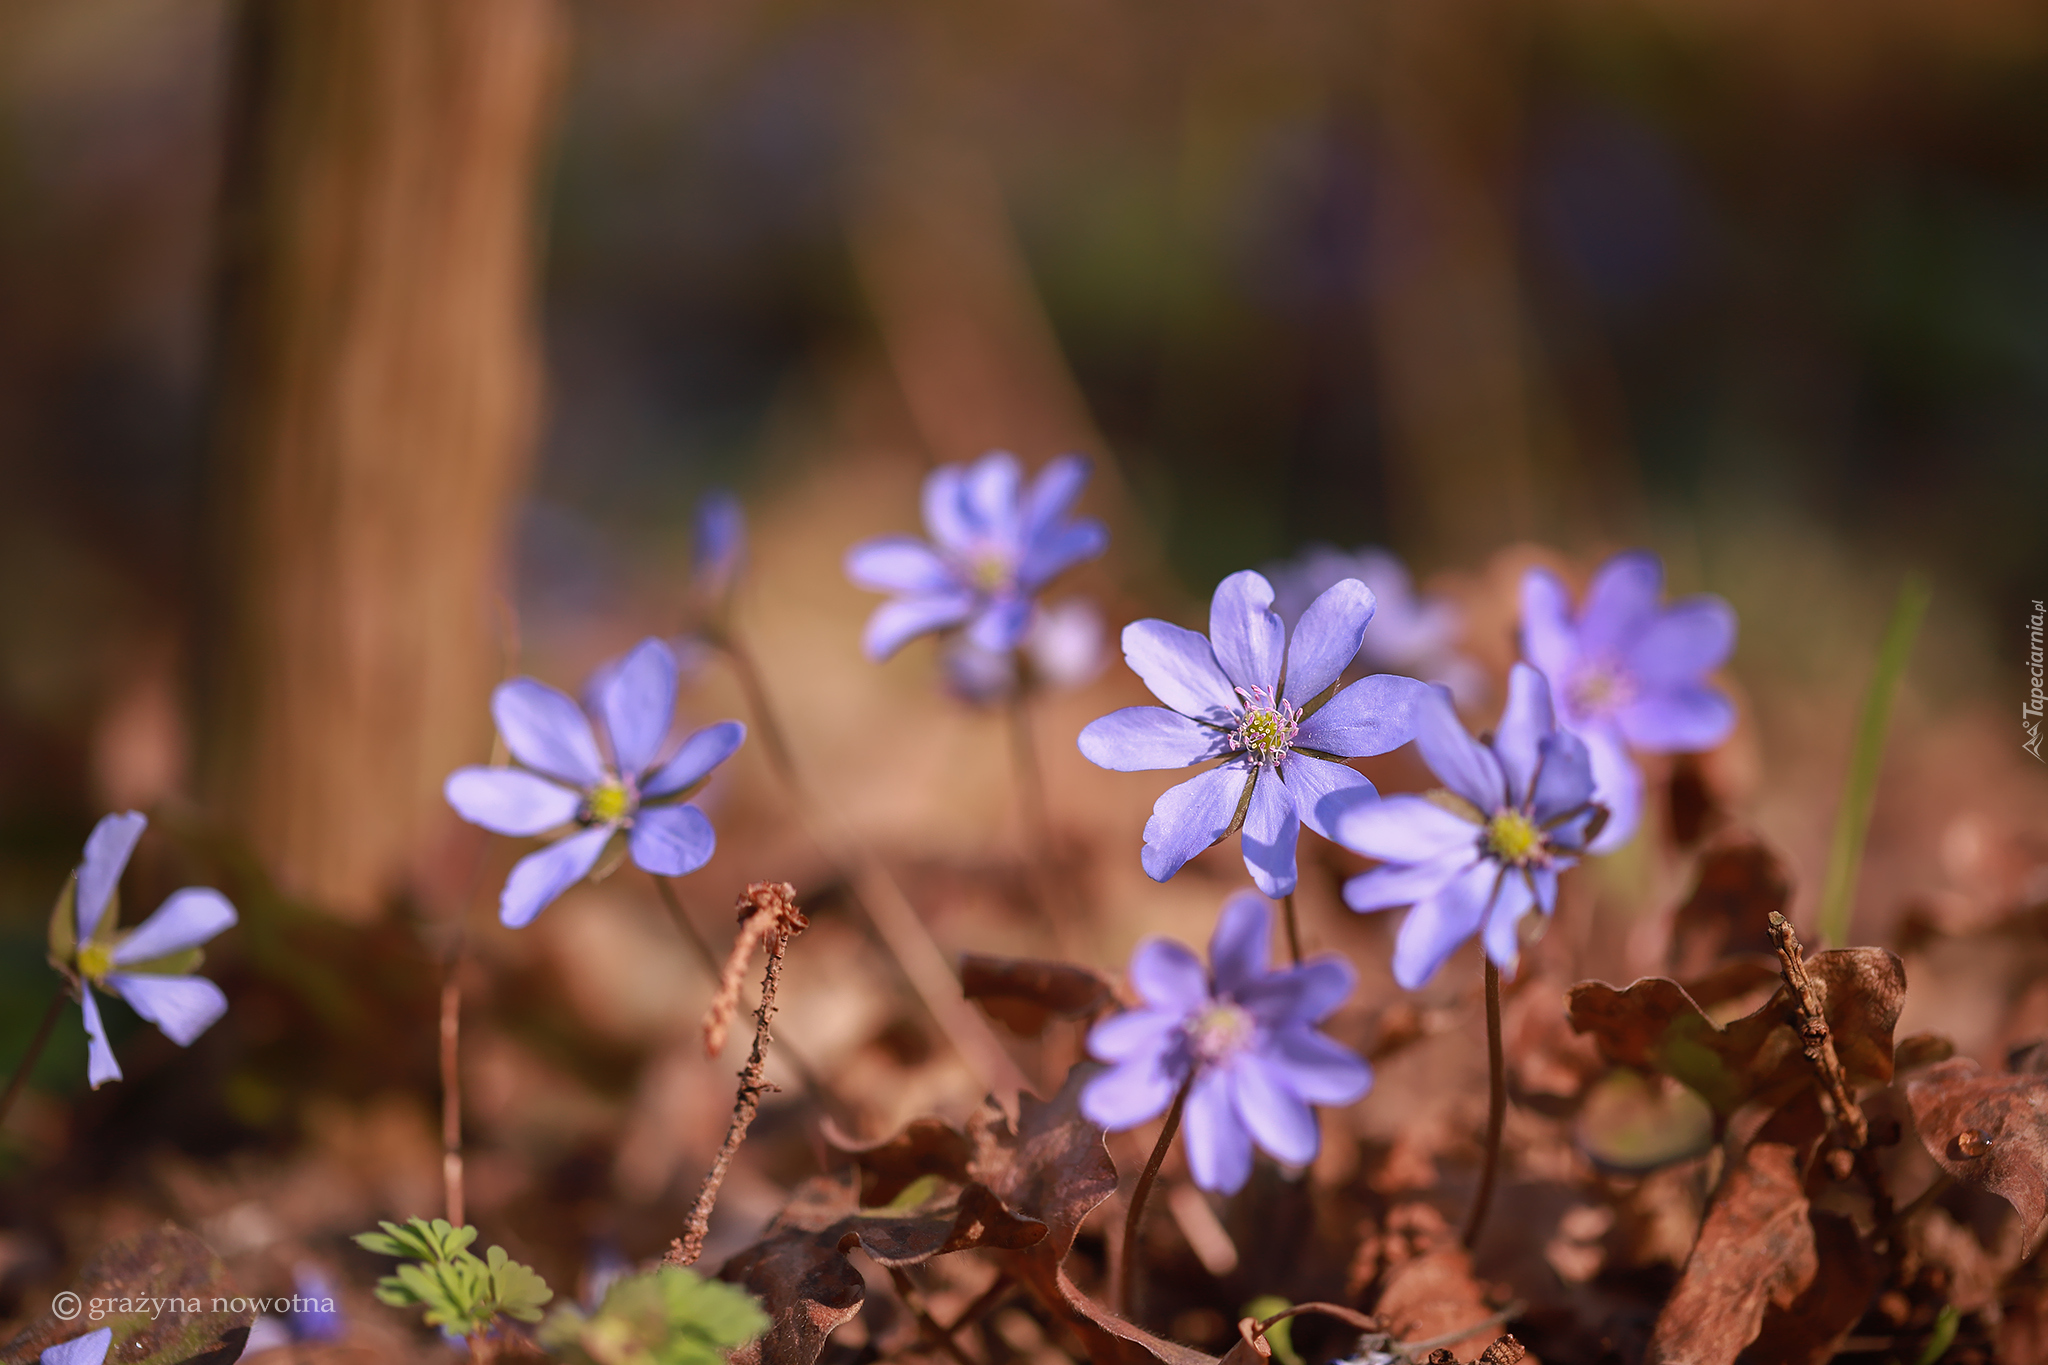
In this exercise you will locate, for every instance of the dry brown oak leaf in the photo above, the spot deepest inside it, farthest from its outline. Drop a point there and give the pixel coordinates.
(1025, 993)
(1655, 1025)
(1987, 1131)
(139, 1276)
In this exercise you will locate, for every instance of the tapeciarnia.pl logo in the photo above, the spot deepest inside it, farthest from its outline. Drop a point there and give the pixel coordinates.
(2030, 710)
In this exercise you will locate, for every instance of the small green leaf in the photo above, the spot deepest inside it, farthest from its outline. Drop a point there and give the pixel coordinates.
(516, 1289)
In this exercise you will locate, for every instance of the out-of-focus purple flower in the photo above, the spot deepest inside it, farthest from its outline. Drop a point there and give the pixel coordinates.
(995, 544)
(1628, 673)
(90, 1349)
(315, 1315)
(1062, 648)
(1412, 633)
(149, 966)
(721, 545)
(1522, 813)
(569, 782)
(1242, 1036)
(1243, 694)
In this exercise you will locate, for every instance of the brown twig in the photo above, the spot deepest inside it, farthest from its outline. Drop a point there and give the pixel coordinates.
(35, 1050)
(941, 1337)
(1134, 1217)
(769, 916)
(1813, 1031)
(1496, 1107)
(1037, 812)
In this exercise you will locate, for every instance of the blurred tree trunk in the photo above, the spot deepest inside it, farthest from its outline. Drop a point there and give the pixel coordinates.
(374, 417)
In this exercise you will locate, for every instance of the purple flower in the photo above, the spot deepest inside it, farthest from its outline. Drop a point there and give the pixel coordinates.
(721, 548)
(90, 1349)
(1246, 1036)
(1247, 696)
(1412, 633)
(996, 545)
(150, 965)
(1629, 674)
(569, 783)
(1519, 811)
(1062, 647)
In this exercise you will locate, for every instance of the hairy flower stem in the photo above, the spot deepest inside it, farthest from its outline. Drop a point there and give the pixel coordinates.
(451, 1089)
(772, 917)
(1496, 1107)
(875, 893)
(34, 1053)
(1037, 814)
(1134, 1217)
(1293, 928)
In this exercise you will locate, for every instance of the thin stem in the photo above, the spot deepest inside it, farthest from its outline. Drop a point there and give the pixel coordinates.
(34, 1053)
(451, 1089)
(1134, 1217)
(1293, 927)
(942, 1337)
(773, 736)
(1496, 1106)
(1859, 789)
(1037, 814)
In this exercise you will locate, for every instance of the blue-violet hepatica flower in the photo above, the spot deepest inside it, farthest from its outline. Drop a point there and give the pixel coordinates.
(721, 546)
(1628, 673)
(568, 782)
(149, 966)
(994, 545)
(90, 1349)
(1240, 695)
(1520, 811)
(1412, 632)
(1241, 1036)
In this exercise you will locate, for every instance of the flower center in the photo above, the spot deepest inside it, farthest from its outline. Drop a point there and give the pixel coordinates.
(607, 803)
(1264, 729)
(1512, 837)
(95, 960)
(1219, 1032)
(990, 571)
(1599, 689)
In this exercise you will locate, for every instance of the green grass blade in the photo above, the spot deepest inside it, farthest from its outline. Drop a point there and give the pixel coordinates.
(1859, 791)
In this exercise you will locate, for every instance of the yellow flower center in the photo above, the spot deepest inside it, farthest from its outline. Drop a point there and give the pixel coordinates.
(1512, 837)
(1219, 1031)
(95, 960)
(990, 572)
(608, 801)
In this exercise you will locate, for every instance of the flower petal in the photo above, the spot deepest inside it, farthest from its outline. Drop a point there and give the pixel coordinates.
(637, 703)
(186, 919)
(1523, 726)
(1143, 737)
(1128, 1095)
(540, 877)
(671, 841)
(1055, 549)
(1316, 1067)
(1543, 885)
(701, 752)
(1218, 1147)
(1190, 817)
(1620, 603)
(900, 564)
(895, 624)
(988, 493)
(1682, 720)
(1327, 639)
(721, 543)
(90, 1349)
(1249, 640)
(1403, 829)
(1617, 785)
(106, 854)
(1053, 492)
(1685, 641)
(1301, 995)
(1465, 765)
(1272, 829)
(945, 514)
(1000, 624)
(1180, 668)
(1169, 977)
(182, 1006)
(1136, 1033)
(1504, 919)
(1322, 789)
(1279, 1120)
(1240, 949)
(1435, 927)
(1548, 640)
(547, 731)
(100, 1066)
(1397, 884)
(510, 800)
(1565, 781)
(1374, 715)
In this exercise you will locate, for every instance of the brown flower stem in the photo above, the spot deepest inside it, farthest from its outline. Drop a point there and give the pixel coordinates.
(876, 894)
(1037, 813)
(686, 926)
(451, 1090)
(1813, 1032)
(974, 1312)
(940, 1337)
(1134, 1217)
(34, 1053)
(1496, 1107)
(1935, 1189)
(772, 918)
(1293, 927)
